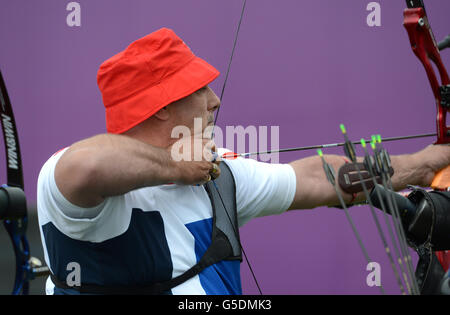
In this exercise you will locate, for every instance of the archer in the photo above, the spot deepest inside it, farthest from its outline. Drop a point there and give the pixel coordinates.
(138, 222)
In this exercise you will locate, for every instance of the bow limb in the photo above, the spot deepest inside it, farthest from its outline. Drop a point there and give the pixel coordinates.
(16, 226)
(14, 206)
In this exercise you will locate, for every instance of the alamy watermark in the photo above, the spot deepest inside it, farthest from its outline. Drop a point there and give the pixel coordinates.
(74, 17)
(374, 276)
(374, 17)
(73, 278)
(238, 139)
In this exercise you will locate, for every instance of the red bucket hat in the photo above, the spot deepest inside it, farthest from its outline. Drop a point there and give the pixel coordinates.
(148, 75)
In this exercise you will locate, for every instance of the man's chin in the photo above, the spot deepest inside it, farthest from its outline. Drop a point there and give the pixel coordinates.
(208, 131)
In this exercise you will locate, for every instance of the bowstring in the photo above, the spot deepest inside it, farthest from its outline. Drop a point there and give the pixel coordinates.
(214, 125)
(230, 61)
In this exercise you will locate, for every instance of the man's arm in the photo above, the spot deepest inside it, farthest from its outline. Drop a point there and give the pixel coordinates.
(109, 165)
(314, 190)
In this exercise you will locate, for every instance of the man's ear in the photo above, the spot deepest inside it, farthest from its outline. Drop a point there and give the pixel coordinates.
(163, 113)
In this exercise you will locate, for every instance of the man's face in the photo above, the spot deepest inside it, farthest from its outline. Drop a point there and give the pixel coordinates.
(200, 104)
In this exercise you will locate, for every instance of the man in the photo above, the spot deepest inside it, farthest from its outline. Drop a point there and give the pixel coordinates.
(119, 213)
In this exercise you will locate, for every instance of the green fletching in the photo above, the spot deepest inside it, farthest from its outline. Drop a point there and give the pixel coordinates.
(363, 143)
(343, 128)
(320, 152)
(379, 138)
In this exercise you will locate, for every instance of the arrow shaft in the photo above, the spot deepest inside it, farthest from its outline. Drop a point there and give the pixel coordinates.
(331, 145)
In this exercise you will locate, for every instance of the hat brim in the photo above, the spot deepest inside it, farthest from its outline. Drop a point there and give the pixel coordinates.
(193, 76)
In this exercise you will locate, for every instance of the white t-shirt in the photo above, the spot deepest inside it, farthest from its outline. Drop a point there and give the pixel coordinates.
(153, 233)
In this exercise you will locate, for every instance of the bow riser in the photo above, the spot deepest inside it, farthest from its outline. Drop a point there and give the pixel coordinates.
(424, 46)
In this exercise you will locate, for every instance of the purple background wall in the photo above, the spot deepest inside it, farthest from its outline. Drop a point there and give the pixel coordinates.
(305, 66)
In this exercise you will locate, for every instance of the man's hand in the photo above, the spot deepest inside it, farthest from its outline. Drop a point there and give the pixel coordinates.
(196, 161)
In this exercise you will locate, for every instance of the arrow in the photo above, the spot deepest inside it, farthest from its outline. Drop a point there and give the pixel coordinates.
(232, 155)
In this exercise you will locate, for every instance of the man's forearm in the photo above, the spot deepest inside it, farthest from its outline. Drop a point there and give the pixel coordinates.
(419, 168)
(314, 190)
(109, 165)
(408, 170)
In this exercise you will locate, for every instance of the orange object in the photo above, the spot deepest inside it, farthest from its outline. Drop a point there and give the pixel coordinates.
(442, 179)
(148, 75)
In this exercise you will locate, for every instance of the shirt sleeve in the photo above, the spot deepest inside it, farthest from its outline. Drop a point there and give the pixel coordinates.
(262, 189)
(53, 207)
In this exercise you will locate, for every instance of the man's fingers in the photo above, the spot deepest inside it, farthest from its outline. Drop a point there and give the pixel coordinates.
(215, 168)
(215, 171)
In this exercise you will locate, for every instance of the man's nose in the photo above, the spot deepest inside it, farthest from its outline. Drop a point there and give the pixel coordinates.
(213, 100)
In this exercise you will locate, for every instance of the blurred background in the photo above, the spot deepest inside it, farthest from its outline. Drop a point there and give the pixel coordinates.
(303, 65)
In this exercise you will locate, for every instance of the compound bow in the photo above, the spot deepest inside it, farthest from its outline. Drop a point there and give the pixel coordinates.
(426, 49)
